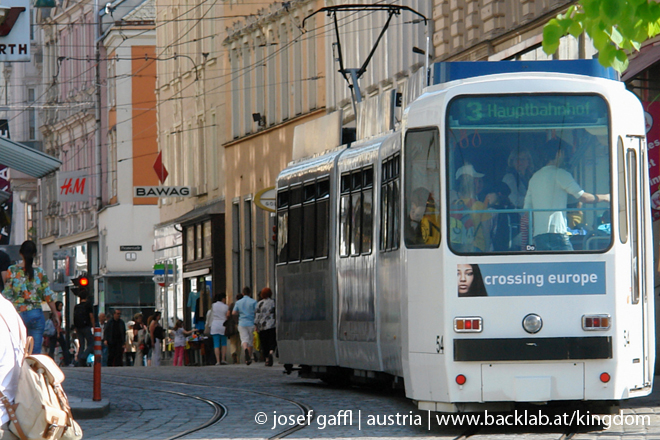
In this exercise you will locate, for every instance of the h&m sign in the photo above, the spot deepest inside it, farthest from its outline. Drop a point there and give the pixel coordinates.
(162, 191)
(73, 186)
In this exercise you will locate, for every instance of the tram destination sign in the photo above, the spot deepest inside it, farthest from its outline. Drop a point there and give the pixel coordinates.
(162, 191)
(531, 110)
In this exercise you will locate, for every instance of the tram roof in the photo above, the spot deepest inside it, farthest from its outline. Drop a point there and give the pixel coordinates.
(444, 72)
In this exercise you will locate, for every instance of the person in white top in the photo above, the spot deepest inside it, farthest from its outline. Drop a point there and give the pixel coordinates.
(548, 189)
(11, 354)
(220, 311)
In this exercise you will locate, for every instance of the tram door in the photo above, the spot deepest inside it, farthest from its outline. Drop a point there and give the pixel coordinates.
(630, 154)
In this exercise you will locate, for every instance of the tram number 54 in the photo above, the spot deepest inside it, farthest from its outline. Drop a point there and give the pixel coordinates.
(440, 344)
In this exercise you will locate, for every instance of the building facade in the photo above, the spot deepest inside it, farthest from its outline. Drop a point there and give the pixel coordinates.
(126, 223)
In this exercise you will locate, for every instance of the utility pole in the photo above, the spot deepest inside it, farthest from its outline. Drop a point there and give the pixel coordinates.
(99, 169)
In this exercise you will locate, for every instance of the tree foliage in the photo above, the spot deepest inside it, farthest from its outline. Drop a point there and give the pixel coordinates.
(617, 27)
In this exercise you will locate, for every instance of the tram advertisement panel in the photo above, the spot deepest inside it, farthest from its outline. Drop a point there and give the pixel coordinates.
(531, 279)
(652, 116)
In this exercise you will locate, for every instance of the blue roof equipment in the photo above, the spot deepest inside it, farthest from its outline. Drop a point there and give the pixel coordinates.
(454, 70)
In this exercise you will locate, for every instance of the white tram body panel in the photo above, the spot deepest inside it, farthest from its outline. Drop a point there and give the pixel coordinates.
(393, 306)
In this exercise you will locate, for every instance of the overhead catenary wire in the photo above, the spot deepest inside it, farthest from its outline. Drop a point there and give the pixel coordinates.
(242, 71)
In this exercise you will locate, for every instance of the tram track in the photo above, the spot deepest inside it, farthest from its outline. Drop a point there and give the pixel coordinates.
(220, 410)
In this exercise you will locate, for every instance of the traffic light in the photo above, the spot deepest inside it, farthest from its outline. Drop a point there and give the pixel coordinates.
(81, 283)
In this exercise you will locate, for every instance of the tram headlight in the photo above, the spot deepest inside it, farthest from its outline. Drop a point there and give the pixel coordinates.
(532, 323)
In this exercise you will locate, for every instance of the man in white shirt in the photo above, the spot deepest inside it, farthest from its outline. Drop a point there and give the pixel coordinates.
(548, 189)
(11, 355)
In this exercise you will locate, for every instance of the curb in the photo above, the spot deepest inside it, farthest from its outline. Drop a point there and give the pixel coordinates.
(88, 409)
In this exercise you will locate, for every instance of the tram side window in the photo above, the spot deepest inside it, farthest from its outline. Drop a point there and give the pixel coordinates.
(322, 217)
(309, 220)
(282, 225)
(367, 209)
(356, 213)
(295, 223)
(306, 209)
(345, 216)
(422, 188)
(389, 202)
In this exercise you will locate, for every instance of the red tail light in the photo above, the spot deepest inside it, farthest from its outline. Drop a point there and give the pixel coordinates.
(596, 322)
(460, 379)
(468, 324)
(604, 377)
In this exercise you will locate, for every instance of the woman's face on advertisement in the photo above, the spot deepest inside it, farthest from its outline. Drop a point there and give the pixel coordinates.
(465, 278)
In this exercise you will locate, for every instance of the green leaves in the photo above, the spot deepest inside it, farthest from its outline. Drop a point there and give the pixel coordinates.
(616, 27)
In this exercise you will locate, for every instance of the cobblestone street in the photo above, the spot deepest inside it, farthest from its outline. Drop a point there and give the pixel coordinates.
(162, 403)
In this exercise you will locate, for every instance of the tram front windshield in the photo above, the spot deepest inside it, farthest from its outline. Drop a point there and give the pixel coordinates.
(528, 173)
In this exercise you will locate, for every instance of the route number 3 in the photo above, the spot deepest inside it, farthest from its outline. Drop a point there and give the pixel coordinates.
(440, 344)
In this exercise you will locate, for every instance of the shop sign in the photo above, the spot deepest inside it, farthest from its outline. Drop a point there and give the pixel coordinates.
(162, 191)
(652, 116)
(15, 30)
(266, 199)
(73, 186)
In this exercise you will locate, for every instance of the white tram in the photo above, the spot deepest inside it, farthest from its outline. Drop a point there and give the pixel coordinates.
(497, 249)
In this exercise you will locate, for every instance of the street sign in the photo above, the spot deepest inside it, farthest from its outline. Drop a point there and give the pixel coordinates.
(162, 278)
(131, 247)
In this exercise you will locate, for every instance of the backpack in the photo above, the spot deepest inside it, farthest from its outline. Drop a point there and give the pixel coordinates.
(81, 316)
(231, 326)
(41, 409)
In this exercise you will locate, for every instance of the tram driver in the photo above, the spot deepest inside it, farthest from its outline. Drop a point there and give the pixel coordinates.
(548, 189)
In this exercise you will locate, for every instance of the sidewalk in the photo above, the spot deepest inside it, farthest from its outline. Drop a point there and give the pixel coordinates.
(87, 408)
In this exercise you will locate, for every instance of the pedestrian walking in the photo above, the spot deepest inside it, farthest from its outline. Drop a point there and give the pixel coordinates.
(83, 321)
(180, 342)
(130, 345)
(59, 337)
(115, 338)
(264, 321)
(11, 356)
(156, 335)
(220, 312)
(26, 286)
(231, 331)
(245, 308)
(139, 334)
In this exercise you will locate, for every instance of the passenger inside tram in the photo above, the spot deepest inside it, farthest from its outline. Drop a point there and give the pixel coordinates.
(422, 225)
(548, 190)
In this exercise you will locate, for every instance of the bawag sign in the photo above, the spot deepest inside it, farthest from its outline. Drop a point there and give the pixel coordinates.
(162, 191)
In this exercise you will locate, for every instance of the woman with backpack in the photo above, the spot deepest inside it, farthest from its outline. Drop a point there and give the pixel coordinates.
(26, 286)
